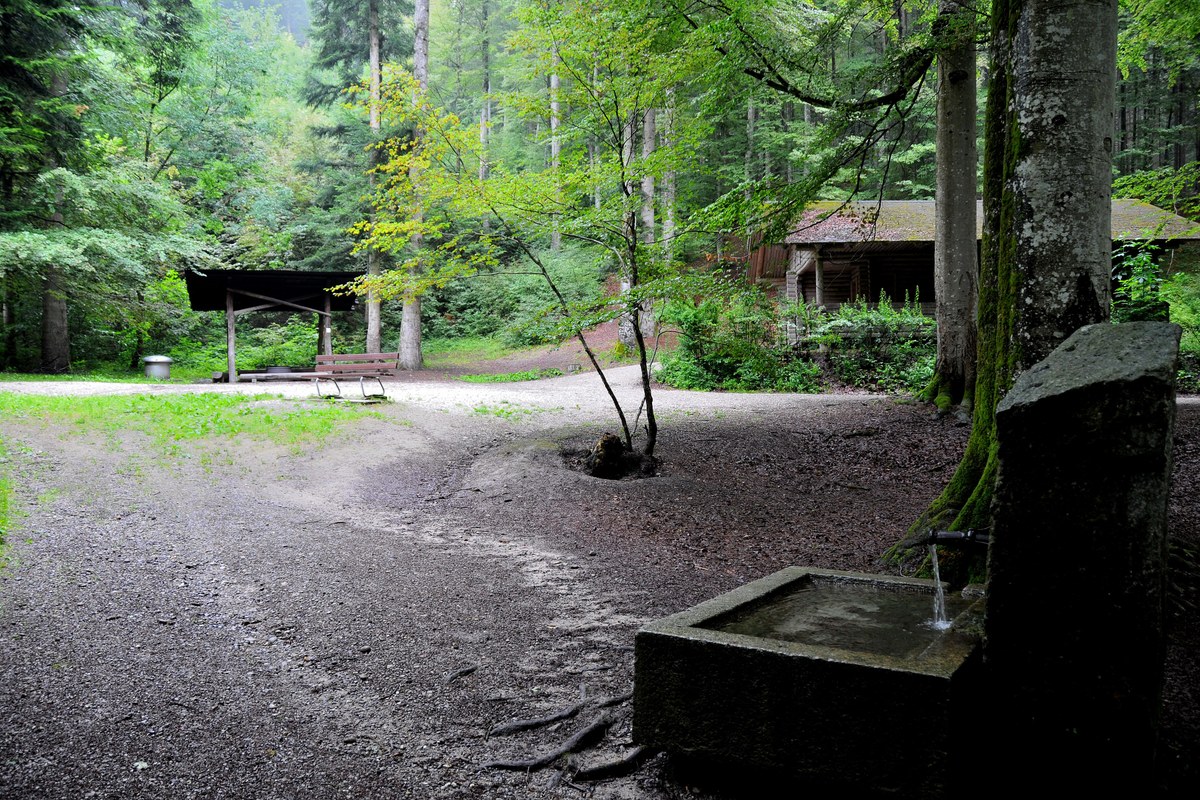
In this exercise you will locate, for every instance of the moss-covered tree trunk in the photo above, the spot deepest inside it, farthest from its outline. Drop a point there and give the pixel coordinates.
(1047, 244)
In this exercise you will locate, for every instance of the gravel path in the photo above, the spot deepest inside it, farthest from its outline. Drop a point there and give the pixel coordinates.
(353, 620)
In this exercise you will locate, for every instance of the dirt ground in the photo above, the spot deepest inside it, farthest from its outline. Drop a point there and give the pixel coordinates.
(354, 620)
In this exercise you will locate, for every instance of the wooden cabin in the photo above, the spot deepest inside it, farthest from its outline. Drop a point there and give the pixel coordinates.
(839, 253)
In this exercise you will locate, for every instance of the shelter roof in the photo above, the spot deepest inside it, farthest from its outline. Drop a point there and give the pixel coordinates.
(913, 221)
(206, 290)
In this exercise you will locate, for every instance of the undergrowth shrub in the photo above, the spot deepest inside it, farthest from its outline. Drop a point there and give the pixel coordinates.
(878, 346)
(290, 344)
(735, 343)
(1151, 286)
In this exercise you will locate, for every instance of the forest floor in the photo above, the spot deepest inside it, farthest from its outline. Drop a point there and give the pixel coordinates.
(238, 620)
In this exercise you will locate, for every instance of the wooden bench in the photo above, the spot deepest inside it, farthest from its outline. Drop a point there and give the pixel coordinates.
(364, 366)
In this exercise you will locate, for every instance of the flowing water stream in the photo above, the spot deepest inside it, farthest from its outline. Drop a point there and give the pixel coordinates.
(939, 622)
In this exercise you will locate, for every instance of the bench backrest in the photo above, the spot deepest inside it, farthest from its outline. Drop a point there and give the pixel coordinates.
(372, 363)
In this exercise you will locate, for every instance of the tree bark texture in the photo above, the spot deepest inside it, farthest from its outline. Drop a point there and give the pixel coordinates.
(374, 267)
(1047, 229)
(667, 194)
(56, 341)
(649, 136)
(56, 338)
(485, 110)
(411, 356)
(1064, 84)
(955, 253)
(555, 148)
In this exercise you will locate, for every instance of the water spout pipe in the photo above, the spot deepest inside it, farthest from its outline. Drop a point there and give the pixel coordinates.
(952, 538)
(972, 536)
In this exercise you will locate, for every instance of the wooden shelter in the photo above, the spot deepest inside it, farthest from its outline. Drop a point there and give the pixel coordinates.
(835, 255)
(243, 291)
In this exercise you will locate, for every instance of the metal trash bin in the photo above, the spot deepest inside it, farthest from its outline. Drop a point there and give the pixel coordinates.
(158, 367)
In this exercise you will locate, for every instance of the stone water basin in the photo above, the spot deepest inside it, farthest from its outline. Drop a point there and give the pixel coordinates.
(832, 677)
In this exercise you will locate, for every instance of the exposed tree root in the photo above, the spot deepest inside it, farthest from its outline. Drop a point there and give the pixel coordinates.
(518, 725)
(615, 700)
(585, 736)
(617, 768)
(459, 673)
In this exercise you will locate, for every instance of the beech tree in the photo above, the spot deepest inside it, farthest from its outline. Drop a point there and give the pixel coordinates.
(410, 326)
(1047, 241)
(350, 34)
(614, 67)
(955, 255)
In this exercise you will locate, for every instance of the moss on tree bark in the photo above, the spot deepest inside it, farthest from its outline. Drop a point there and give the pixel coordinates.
(1047, 229)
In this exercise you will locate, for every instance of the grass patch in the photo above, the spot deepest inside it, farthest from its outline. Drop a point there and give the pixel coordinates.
(103, 376)
(512, 377)
(179, 374)
(169, 421)
(506, 410)
(458, 352)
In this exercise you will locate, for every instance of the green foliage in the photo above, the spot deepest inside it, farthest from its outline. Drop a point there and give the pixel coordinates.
(168, 420)
(1182, 292)
(879, 346)
(512, 377)
(1189, 373)
(1139, 282)
(1172, 189)
(467, 350)
(733, 342)
(290, 343)
(739, 342)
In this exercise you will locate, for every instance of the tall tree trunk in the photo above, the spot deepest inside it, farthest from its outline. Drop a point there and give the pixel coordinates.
(667, 197)
(374, 267)
(485, 110)
(788, 116)
(56, 341)
(748, 166)
(594, 166)
(138, 351)
(628, 330)
(1047, 241)
(410, 323)
(751, 125)
(1062, 180)
(555, 148)
(649, 137)
(646, 321)
(955, 260)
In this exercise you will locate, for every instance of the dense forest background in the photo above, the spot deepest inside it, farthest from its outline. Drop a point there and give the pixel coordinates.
(143, 138)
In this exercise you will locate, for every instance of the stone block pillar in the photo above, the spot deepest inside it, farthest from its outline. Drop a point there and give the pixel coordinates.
(1074, 639)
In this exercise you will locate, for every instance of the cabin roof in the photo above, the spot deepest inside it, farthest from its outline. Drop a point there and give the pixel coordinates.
(913, 221)
(206, 290)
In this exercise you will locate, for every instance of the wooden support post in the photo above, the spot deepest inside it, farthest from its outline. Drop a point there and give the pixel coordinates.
(326, 323)
(791, 278)
(819, 276)
(231, 336)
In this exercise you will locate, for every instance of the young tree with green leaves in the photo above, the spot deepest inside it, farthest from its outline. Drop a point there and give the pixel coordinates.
(615, 64)
(351, 35)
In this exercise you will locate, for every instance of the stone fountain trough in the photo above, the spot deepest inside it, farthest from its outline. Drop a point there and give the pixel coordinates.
(830, 678)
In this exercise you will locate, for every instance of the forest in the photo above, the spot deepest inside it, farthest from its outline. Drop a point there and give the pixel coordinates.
(509, 172)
